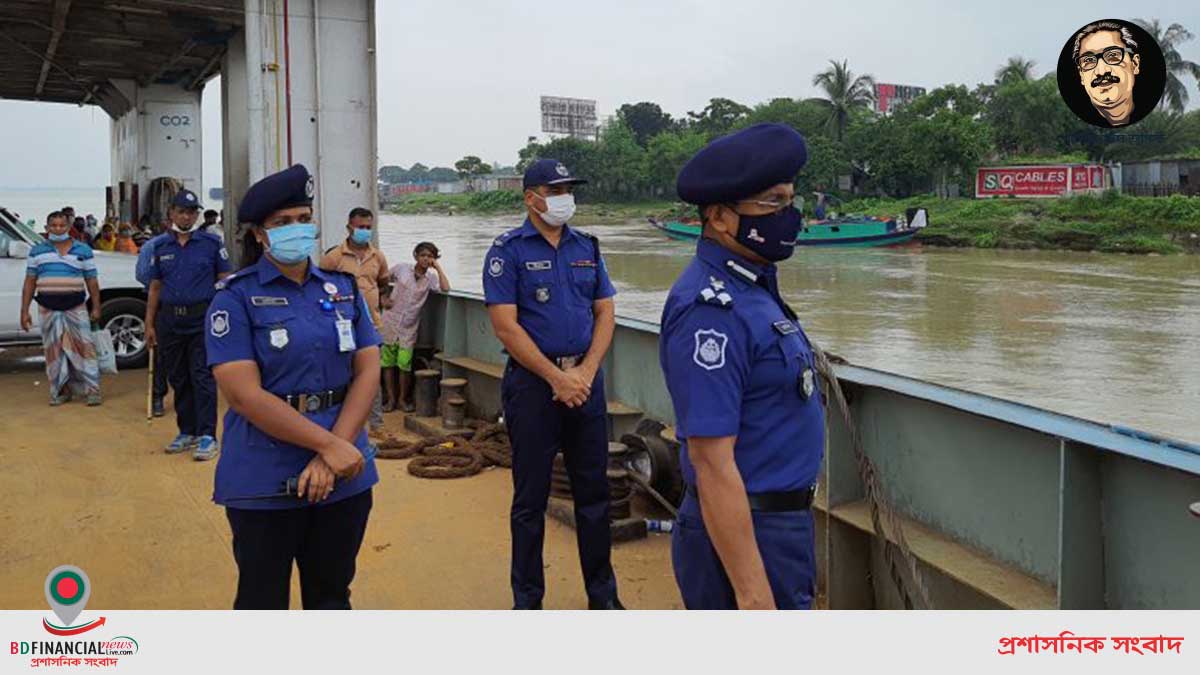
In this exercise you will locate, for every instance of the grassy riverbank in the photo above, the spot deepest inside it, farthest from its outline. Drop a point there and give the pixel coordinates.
(1110, 222)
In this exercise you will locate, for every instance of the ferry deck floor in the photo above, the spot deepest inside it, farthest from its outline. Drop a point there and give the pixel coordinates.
(92, 487)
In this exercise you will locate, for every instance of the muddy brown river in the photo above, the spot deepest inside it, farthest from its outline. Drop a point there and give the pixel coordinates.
(1113, 338)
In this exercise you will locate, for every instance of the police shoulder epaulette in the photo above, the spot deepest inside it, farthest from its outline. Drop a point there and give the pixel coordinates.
(715, 293)
(499, 241)
(224, 283)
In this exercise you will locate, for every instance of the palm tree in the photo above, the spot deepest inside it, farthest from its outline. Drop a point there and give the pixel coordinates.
(1175, 95)
(1017, 69)
(843, 93)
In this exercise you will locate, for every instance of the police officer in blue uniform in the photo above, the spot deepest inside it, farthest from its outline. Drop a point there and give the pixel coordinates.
(550, 302)
(740, 371)
(184, 268)
(296, 356)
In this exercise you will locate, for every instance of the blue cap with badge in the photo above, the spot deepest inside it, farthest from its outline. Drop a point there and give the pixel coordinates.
(741, 164)
(185, 199)
(283, 190)
(549, 172)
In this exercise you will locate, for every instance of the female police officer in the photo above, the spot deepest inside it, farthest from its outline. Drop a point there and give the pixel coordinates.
(295, 354)
(740, 372)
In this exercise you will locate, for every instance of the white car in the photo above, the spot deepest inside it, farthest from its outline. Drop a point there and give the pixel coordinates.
(123, 299)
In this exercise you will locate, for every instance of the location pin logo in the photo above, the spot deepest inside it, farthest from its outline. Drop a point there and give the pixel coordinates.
(67, 590)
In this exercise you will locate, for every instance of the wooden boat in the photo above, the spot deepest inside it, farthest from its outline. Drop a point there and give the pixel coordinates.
(849, 231)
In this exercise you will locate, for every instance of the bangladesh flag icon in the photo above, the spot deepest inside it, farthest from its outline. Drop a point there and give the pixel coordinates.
(67, 591)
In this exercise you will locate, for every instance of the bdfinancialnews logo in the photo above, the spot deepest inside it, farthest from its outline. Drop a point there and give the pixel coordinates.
(67, 591)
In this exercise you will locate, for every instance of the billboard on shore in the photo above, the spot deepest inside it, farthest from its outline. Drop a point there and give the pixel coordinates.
(889, 96)
(1052, 180)
(572, 116)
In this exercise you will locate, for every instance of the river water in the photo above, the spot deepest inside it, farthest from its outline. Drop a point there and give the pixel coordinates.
(1112, 338)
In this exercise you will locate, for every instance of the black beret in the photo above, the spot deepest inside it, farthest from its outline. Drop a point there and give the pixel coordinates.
(288, 188)
(741, 164)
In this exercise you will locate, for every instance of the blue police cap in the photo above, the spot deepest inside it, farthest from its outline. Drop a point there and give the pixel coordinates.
(549, 172)
(288, 188)
(185, 199)
(741, 164)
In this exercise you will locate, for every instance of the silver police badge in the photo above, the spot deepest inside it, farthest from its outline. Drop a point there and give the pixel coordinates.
(561, 170)
(309, 187)
(710, 349)
(496, 266)
(806, 382)
(542, 294)
(219, 322)
(279, 338)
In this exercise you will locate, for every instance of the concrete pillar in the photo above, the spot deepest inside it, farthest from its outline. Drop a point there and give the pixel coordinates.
(158, 136)
(318, 63)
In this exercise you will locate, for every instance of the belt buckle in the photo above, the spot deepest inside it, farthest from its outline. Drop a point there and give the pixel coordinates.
(568, 362)
(180, 310)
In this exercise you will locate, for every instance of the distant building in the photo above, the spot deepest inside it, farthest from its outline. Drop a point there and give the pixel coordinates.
(1160, 177)
(457, 187)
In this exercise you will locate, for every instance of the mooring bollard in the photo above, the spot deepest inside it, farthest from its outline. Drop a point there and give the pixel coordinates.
(455, 416)
(427, 392)
(452, 387)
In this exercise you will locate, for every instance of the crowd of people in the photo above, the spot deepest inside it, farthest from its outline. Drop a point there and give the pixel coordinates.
(116, 236)
(309, 355)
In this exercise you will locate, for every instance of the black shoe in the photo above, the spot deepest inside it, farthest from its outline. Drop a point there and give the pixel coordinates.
(612, 603)
(156, 407)
(537, 606)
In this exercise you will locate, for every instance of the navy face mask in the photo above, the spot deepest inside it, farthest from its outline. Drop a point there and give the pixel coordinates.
(772, 236)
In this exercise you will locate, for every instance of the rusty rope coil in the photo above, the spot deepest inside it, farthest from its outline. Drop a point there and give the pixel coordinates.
(876, 498)
(451, 456)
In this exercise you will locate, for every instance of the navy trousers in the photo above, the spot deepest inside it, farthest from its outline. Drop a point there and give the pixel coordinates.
(181, 341)
(539, 428)
(785, 541)
(160, 375)
(323, 540)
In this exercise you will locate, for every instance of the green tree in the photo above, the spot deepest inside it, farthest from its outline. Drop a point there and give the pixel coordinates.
(719, 117)
(1016, 69)
(645, 119)
(844, 92)
(1028, 117)
(619, 161)
(665, 156)
(1175, 94)
(392, 174)
(471, 166)
(809, 117)
(441, 174)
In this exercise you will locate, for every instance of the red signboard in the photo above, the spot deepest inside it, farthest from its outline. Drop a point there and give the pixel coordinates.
(1038, 181)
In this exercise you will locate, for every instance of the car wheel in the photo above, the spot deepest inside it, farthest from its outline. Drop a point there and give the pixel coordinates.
(125, 319)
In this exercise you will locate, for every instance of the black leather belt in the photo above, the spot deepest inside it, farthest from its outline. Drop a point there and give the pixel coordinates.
(186, 310)
(317, 401)
(564, 362)
(774, 502)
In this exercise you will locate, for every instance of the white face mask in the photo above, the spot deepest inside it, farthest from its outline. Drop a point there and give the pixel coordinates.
(559, 209)
(180, 230)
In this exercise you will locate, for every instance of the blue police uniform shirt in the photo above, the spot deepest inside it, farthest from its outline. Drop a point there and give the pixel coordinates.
(188, 273)
(262, 316)
(735, 366)
(553, 289)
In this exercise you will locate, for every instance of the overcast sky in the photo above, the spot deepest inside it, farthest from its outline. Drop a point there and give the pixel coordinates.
(464, 77)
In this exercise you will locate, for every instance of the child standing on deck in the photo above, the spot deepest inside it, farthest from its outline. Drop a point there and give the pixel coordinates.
(411, 283)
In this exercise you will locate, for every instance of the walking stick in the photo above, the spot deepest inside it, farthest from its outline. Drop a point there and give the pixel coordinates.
(150, 387)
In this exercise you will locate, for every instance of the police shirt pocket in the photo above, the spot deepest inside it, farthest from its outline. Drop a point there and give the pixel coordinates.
(585, 280)
(273, 328)
(538, 285)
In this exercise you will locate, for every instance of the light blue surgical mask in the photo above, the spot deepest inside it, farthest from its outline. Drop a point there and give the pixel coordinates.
(59, 237)
(360, 235)
(290, 244)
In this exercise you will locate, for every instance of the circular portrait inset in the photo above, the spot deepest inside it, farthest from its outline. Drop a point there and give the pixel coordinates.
(1111, 73)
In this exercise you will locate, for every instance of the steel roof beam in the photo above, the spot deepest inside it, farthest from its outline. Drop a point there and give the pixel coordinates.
(58, 25)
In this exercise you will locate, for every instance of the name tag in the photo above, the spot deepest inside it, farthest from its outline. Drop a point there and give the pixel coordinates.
(169, 256)
(584, 263)
(345, 331)
(266, 301)
(785, 327)
(536, 265)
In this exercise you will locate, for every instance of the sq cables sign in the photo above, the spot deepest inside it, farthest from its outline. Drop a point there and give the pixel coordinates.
(1040, 181)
